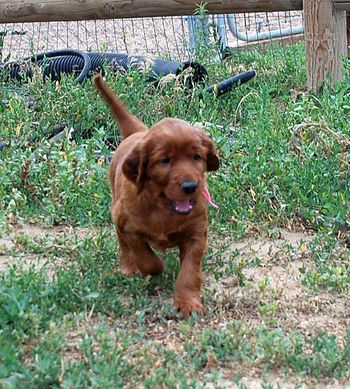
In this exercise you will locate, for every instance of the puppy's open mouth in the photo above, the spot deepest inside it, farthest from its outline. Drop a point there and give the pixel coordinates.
(182, 207)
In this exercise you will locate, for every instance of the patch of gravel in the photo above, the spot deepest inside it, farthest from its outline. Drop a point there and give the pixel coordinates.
(30, 261)
(158, 36)
(272, 381)
(277, 280)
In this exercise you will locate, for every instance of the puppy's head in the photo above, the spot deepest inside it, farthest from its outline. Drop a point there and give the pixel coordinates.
(170, 164)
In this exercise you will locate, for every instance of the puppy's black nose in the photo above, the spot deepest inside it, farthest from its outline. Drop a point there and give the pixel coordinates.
(189, 186)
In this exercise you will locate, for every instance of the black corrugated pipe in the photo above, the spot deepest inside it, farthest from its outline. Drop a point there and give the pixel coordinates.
(56, 63)
(53, 62)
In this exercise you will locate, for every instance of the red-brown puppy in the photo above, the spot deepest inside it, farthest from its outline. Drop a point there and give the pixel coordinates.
(157, 177)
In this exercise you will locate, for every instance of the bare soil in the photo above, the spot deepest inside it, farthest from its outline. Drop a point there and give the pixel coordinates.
(7, 245)
(275, 280)
(299, 308)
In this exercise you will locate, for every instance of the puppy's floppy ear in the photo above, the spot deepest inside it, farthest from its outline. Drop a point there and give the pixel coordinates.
(134, 166)
(213, 162)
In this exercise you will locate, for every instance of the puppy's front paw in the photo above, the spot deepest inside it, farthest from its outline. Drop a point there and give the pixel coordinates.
(186, 307)
(129, 270)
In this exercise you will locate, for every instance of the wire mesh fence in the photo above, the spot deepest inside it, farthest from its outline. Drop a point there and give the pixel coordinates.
(171, 37)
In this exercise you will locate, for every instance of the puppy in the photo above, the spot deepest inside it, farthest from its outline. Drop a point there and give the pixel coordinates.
(160, 198)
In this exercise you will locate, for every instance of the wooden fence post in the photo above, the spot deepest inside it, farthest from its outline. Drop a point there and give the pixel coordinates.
(348, 31)
(325, 41)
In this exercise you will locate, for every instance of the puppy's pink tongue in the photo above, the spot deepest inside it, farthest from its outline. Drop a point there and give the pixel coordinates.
(183, 205)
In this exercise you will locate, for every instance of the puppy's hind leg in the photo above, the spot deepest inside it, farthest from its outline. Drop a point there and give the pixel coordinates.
(127, 262)
(146, 261)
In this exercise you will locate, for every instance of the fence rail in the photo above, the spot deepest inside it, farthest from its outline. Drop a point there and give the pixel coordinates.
(63, 10)
(342, 4)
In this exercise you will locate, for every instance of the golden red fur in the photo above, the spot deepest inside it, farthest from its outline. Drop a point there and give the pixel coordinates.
(157, 177)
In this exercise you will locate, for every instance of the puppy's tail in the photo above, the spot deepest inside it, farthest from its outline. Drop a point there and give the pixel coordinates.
(128, 123)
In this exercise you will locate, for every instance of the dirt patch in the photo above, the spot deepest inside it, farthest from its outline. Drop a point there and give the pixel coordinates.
(6, 245)
(275, 282)
(274, 382)
(38, 231)
(272, 277)
(8, 253)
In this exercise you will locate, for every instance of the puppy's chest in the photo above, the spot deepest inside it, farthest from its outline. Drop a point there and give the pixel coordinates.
(163, 240)
(162, 234)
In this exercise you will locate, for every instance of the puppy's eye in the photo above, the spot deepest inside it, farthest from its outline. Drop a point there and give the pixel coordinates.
(165, 161)
(197, 157)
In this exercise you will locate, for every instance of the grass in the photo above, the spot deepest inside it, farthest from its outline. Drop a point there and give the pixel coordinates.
(68, 318)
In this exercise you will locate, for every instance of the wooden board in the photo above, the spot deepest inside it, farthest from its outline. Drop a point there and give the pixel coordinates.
(64, 10)
(342, 4)
(348, 32)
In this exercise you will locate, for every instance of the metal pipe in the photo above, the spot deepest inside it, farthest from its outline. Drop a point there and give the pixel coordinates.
(198, 30)
(220, 20)
(259, 36)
